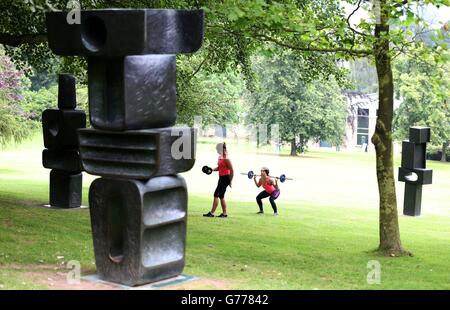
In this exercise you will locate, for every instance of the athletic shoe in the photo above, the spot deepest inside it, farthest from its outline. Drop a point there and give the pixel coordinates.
(223, 215)
(275, 214)
(209, 214)
(260, 212)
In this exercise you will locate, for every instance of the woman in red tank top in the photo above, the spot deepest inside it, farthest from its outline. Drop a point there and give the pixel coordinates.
(225, 169)
(271, 190)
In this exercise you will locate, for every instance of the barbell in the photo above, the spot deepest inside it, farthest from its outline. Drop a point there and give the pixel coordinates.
(251, 174)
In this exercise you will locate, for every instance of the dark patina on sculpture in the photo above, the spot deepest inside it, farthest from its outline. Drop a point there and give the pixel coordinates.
(138, 208)
(413, 170)
(137, 154)
(140, 231)
(127, 92)
(60, 139)
(121, 32)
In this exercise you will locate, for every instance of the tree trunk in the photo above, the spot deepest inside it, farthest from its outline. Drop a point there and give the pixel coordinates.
(257, 139)
(293, 147)
(302, 143)
(444, 152)
(390, 243)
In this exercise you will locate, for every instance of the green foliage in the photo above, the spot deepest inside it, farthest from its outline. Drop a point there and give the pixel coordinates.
(21, 107)
(363, 76)
(424, 87)
(228, 43)
(35, 102)
(83, 101)
(305, 110)
(13, 120)
(13, 126)
(216, 97)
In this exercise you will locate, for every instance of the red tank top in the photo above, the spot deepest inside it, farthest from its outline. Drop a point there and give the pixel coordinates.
(223, 168)
(269, 187)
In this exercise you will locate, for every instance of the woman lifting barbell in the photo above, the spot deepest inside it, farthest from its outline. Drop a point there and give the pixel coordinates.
(271, 190)
(226, 173)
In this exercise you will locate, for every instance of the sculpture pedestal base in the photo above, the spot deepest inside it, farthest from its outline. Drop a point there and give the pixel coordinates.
(65, 189)
(77, 208)
(179, 280)
(413, 200)
(139, 228)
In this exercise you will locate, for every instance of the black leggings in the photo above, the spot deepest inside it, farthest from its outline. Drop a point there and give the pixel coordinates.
(263, 195)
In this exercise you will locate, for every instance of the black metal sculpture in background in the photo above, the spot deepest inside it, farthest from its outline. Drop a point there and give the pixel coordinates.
(139, 206)
(413, 170)
(61, 142)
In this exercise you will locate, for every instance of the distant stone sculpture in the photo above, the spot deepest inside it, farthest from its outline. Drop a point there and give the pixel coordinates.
(139, 206)
(413, 170)
(61, 142)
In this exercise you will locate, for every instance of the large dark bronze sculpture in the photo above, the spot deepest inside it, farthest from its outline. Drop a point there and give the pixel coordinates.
(413, 170)
(61, 142)
(139, 206)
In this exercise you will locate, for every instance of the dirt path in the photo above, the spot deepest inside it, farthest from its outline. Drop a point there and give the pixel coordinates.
(56, 278)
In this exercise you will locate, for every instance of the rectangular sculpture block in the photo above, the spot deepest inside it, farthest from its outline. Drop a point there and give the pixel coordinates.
(126, 32)
(413, 155)
(67, 98)
(139, 154)
(67, 160)
(60, 128)
(139, 228)
(415, 176)
(65, 189)
(132, 92)
(413, 199)
(419, 134)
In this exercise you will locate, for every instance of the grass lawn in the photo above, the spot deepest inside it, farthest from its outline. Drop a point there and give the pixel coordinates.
(316, 242)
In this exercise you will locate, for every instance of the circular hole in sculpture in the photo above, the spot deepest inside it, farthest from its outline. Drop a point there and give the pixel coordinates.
(117, 259)
(93, 33)
(412, 177)
(53, 128)
(115, 228)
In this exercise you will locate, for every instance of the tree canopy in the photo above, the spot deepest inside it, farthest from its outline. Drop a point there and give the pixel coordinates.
(424, 87)
(13, 125)
(304, 110)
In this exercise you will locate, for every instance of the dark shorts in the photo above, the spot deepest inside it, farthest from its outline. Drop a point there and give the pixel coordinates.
(222, 185)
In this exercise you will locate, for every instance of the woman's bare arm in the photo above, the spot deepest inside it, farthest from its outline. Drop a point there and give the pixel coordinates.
(275, 183)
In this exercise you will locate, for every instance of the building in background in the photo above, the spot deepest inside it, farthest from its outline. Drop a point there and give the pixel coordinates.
(361, 120)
